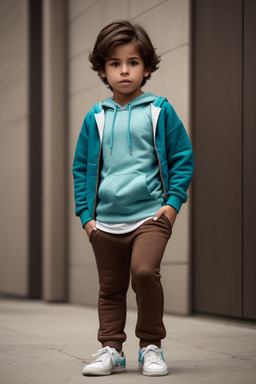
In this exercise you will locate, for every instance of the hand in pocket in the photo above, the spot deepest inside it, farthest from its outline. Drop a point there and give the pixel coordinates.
(89, 227)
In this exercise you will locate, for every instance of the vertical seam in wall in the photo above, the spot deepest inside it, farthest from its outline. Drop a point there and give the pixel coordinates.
(190, 239)
(35, 151)
(192, 134)
(66, 157)
(242, 169)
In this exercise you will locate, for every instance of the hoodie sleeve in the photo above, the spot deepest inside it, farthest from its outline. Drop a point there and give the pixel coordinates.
(180, 159)
(80, 175)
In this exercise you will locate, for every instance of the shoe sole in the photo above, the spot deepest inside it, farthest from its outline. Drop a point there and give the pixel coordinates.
(104, 373)
(145, 373)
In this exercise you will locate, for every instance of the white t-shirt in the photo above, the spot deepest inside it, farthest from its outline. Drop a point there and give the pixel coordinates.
(121, 228)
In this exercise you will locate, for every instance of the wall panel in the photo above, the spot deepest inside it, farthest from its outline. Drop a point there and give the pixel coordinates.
(170, 19)
(217, 108)
(249, 160)
(14, 134)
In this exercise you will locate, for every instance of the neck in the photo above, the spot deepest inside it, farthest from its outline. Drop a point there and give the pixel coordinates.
(124, 99)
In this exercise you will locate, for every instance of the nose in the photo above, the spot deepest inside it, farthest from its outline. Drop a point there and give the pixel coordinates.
(124, 69)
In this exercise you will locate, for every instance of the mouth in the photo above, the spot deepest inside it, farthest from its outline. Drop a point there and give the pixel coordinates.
(125, 81)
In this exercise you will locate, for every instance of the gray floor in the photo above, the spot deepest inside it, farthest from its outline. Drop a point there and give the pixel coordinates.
(50, 343)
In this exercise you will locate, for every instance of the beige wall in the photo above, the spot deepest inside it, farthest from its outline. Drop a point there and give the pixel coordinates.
(14, 128)
(168, 24)
(54, 151)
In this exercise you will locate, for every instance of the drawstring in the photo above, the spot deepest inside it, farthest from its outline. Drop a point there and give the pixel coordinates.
(128, 130)
(112, 130)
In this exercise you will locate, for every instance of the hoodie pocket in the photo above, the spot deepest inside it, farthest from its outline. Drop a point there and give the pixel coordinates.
(119, 192)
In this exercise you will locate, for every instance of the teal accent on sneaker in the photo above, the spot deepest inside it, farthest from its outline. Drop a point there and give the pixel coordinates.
(151, 361)
(119, 362)
(141, 353)
(107, 361)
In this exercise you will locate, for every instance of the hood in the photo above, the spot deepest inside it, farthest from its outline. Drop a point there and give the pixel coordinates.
(145, 98)
(109, 103)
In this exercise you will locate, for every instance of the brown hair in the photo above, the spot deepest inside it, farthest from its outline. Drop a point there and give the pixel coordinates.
(118, 33)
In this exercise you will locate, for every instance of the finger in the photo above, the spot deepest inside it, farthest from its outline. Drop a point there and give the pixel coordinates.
(157, 215)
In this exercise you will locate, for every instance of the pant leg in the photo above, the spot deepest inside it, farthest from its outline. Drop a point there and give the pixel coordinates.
(149, 243)
(113, 255)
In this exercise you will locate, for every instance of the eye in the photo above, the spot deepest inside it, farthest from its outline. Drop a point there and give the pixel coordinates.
(133, 63)
(114, 64)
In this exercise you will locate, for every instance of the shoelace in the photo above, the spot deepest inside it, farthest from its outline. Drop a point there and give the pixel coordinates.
(103, 353)
(153, 353)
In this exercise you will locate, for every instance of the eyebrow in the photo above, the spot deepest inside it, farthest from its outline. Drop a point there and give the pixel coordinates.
(130, 58)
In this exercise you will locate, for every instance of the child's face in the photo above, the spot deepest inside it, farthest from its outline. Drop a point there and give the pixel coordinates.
(124, 70)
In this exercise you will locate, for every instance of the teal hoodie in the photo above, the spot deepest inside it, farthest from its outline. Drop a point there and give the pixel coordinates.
(130, 186)
(171, 144)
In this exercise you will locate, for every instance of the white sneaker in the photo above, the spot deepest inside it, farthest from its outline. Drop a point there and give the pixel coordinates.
(151, 361)
(107, 361)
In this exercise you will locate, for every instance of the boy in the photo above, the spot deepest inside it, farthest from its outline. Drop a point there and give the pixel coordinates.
(132, 167)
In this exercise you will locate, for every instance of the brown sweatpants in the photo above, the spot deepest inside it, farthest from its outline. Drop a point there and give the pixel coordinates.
(138, 253)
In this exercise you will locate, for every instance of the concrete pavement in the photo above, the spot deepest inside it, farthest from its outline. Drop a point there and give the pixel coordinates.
(50, 343)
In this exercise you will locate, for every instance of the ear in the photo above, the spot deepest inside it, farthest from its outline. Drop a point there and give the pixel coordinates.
(147, 72)
(102, 73)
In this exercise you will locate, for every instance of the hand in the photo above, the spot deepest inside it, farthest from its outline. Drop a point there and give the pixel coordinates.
(89, 227)
(169, 212)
